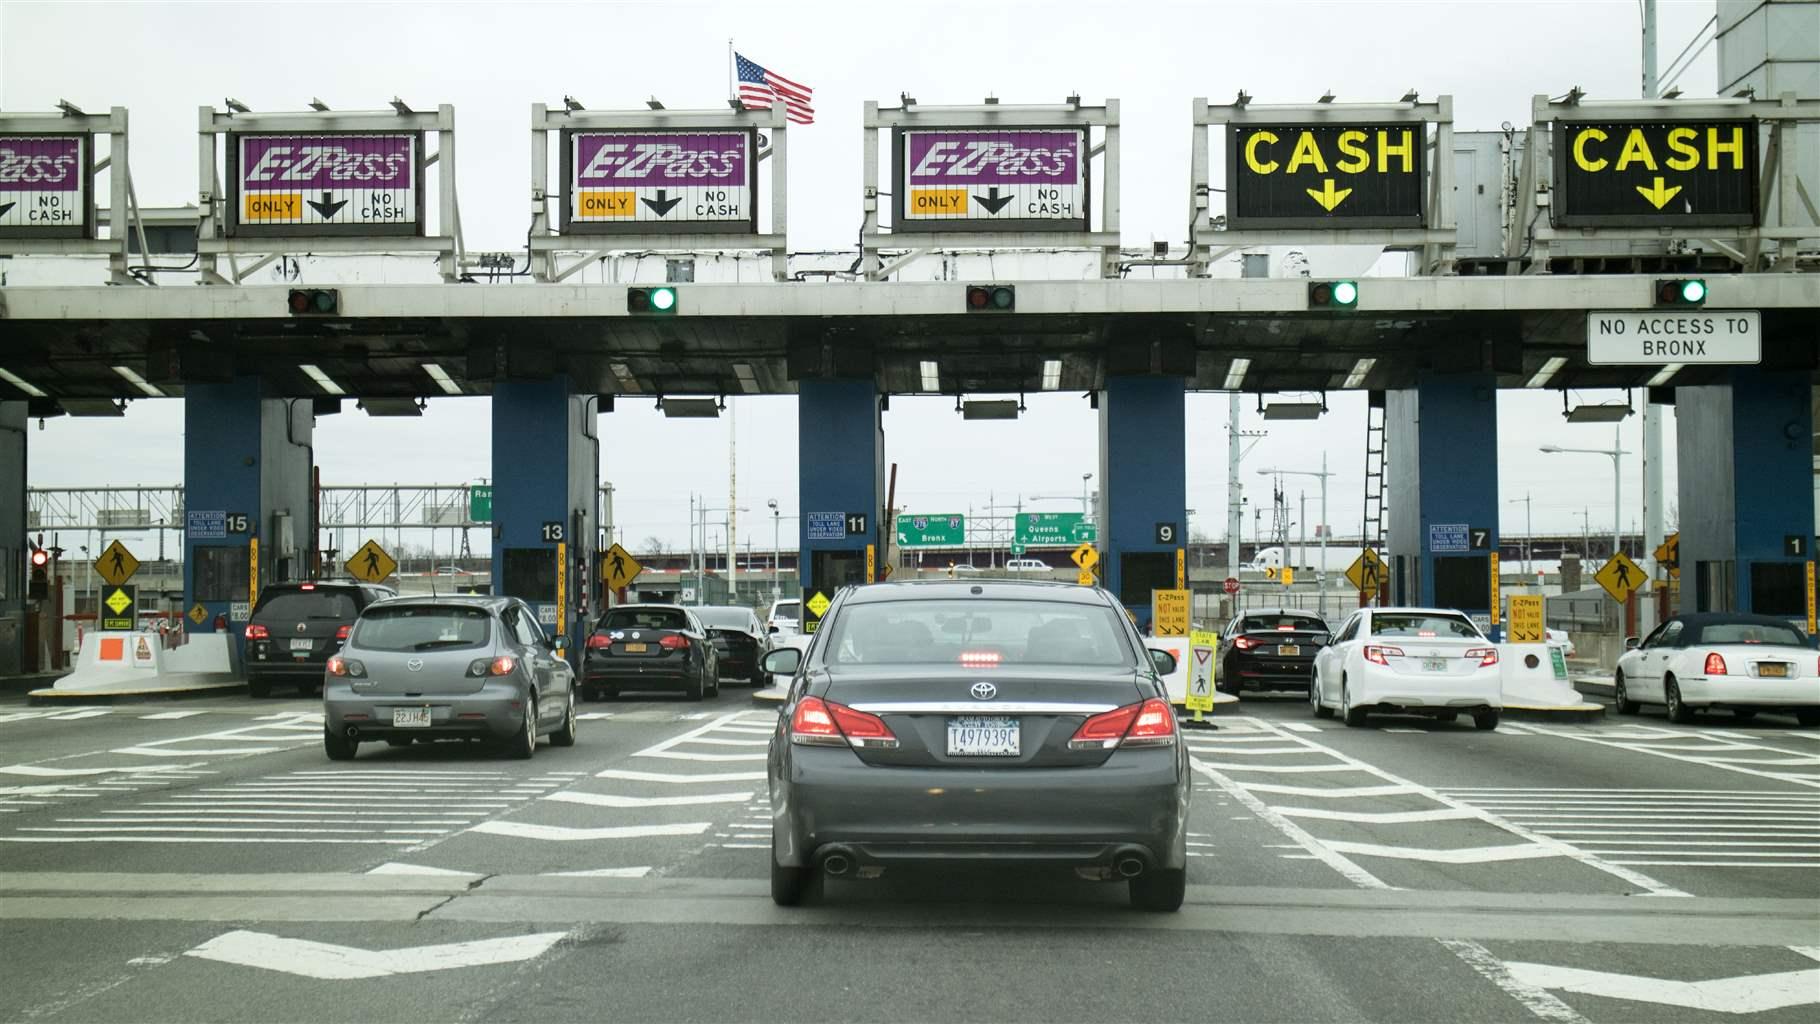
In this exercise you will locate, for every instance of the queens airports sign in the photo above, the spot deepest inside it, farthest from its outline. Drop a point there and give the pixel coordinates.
(326, 183)
(46, 187)
(1655, 173)
(1344, 175)
(653, 181)
(990, 179)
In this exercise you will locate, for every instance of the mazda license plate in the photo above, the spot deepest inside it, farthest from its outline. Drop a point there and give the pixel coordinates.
(410, 718)
(1772, 668)
(975, 736)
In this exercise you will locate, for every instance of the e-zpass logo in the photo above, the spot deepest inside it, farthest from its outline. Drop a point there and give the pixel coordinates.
(35, 168)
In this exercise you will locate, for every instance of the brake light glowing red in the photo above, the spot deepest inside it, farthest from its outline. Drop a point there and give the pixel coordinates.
(1155, 724)
(1487, 656)
(341, 633)
(1285, 629)
(1147, 724)
(981, 659)
(1715, 665)
(674, 642)
(599, 642)
(1382, 655)
(1244, 643)
(813, 723)
(859, 725)
(503, 666)
(307, 586)
(825, 723)
(257, 632)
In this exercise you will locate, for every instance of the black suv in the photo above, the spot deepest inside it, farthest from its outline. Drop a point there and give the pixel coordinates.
(295, 627)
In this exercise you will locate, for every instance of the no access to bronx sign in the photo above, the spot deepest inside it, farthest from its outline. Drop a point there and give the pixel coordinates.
(1651, 338)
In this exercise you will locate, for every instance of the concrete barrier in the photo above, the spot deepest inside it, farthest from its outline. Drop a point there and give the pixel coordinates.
(1530, 684)
(142, 665)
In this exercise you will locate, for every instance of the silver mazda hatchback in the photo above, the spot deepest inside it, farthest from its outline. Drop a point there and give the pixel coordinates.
(443, 667)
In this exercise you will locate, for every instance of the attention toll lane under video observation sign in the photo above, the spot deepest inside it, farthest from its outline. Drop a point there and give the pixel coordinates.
(1325, 176)
(660, 181)
(1001, 178)
(362, 183)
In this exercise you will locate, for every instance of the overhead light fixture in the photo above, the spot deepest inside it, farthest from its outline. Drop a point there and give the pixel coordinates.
(1327, 97)
(626, 380)
(93, 406)
(236, 106)
(442, 379)
(139, 382)
(932, 377)
(1548, 370)
(1410, 96)
(318, 106)
(1597, 413)
(748, 381)
(1294, 411)
(322, 379)
(654, 103)
(1052, 374)
(1360, 370)
(994, 409)
(70, 109)
(20, 384)
(690, 408)
(1235, 375)
(402, 107)
(1664, 374)
(391, 406)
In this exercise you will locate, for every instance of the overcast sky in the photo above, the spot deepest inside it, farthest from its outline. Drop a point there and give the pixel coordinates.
(492, 61)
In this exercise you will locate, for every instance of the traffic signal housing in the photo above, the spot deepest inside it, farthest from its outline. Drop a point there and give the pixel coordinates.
(1333, 294)
(40, 588)
(660, 301)
(314, 302)
(1682, 291)
(991, 298)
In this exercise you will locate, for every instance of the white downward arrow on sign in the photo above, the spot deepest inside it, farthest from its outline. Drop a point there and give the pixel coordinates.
(330, 962)
(1750, 993)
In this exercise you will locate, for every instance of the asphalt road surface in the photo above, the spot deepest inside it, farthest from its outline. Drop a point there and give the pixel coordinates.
(205, 862)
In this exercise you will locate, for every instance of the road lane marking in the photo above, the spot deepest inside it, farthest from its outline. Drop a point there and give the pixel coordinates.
(1462, 855)
(170, 716)
(1379, 817)
(395, 868)
(1749, 993)
(328, 962)
(689, 755)
(637, 872)
(614, 800)
(561, 833)
(626, 775)
(1535, 999)
(1345, 866)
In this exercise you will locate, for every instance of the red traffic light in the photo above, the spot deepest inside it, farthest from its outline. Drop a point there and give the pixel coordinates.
(41, 557)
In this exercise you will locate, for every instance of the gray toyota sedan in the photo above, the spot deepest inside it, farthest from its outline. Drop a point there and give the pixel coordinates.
(442, 667)
(957, 723)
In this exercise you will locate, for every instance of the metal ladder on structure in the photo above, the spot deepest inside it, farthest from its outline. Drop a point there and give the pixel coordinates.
(1371, 530)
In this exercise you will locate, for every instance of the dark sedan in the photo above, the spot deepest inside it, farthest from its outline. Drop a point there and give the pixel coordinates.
(740, 640)
(1270, 649)
(295, 628)
(650, 647)
(960, 723)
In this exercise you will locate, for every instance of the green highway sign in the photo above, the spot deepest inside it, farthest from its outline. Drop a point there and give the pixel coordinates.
(940, 531)
(1054, 529)
(480, 503)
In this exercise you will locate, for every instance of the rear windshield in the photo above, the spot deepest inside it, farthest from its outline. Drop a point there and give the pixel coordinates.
(726, 618)
(788, 610)
(1750, 633)
(301, 605)
(1266, 623)
(1416, 625)
(978, 633)
(644, 618)
(421, 628)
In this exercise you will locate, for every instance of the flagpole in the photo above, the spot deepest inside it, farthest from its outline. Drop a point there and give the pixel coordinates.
(732, 92)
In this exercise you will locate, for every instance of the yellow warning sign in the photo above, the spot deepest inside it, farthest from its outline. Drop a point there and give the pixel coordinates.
(121, 613)
(1169, 613)
(1085, 578)
(1668, 555)
(1084, 557)
(819, 604)
(371, 563)
(198, 613)
(273, 206)
(116, 565)
(618, 568)
(1288, 575)
(1270, 572)
(1497, 600)
(1526, 619)
(118, 601)
(1366, 572)
(936, 202)
(1181, 568)
(598, 203)
(871, 563)
(1620, 577)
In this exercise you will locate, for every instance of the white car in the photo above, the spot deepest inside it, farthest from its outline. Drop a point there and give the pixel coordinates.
(785, 617)
(1027, 565)
(1743, 663)
(1419, 660)
(1559, 638)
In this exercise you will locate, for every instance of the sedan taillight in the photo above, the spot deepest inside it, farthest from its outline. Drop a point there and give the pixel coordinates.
(674, 642)
(824, 723)
(1147, 724)
(1488, 656)
(599, 642)
(1382, 655)
(1244, 643)
(257, 632)
(1715, 665)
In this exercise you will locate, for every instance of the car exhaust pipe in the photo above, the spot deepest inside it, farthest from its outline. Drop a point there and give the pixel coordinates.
(837, 863)
(1130, 867)
(353, 731)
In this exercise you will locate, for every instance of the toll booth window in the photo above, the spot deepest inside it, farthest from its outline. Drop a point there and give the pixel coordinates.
(1778, 588)
(833, 569)
(1140, 572)
(220, 571)
(1463, 583)
(530, 574)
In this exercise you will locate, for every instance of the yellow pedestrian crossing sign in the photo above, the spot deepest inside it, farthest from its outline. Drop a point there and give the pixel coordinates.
(618, 568)
(1367, 572)
(1668, 555)
(371, 563)
(116, 565)
(1620, 577)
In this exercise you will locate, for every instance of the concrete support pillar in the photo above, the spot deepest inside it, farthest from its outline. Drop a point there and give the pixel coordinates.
(15, 569)
(840, 484)
(248, 500)
(1441, 440)
(1143, 472)
(546, 464)
(1746, 492)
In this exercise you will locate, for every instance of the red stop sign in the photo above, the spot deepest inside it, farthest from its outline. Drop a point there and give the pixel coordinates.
(1232, 584)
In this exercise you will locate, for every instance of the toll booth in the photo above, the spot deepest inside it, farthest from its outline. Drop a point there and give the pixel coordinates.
(1144, 500)
(841, 459)
(1443, 522)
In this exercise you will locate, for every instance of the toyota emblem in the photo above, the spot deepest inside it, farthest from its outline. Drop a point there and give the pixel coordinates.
(984, 691)
(415, 664)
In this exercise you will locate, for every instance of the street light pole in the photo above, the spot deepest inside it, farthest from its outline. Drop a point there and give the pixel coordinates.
(1529, 531)
(1321, 571)
(1616, 454)
(777, 568)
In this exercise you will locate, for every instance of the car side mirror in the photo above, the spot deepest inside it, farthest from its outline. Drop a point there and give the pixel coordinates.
(1162, 661)
(1631, 643)
(775, 629)
(782, 662)
(560, 644)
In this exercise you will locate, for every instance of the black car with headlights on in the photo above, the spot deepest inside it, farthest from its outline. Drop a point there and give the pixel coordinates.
(956, 723)
(296, 627)
(1270, 649)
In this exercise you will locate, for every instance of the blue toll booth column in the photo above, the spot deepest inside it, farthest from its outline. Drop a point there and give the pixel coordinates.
(546, 458)
(1143, 510)
(841, 460)
(13, 559)
(248, 519)
(1747, 516)
(1441, 438)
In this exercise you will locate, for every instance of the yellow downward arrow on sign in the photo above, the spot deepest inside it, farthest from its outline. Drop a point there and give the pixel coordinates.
(1659, 193)
(1328, 197)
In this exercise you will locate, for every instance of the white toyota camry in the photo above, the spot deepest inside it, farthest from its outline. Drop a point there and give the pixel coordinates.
(1416, 660)
(1743, 663)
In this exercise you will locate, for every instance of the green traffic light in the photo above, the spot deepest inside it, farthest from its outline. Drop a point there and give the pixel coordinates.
(1693, 291)
(1345, 293)
(663, 299)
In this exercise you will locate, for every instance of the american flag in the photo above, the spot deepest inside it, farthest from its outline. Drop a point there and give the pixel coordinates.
(760, 88)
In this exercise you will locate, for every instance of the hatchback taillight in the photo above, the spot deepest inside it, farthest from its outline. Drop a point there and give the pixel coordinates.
(341, 632)
(1382, 655)
(1147, 724)
(1487, 656)
(340, 666)
(1715, 665)
(599, 642)
(257, 632)
(674, 642)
